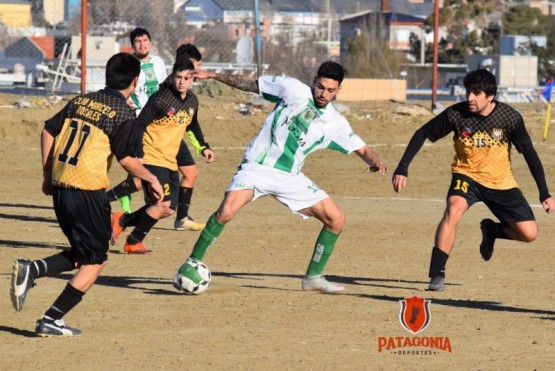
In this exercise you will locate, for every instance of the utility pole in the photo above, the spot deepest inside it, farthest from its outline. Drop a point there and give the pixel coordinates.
(258, 43)
(435, 53)
(83, 46)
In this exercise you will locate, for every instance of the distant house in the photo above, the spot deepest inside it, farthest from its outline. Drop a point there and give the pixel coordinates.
(296, 20)
(25, 51)
(391, 27)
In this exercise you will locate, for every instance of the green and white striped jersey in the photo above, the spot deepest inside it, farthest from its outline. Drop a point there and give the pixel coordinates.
(296, 127)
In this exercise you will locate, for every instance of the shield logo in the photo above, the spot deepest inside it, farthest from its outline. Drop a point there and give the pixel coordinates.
(415, 314)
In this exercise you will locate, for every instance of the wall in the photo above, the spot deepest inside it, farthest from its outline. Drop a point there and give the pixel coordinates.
(372, 89)
(15, 15)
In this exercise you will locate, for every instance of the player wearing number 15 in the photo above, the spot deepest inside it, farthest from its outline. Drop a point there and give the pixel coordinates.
(77, 146)
(484, 130)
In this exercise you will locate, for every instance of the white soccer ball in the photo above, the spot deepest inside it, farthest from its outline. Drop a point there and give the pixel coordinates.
(193, 277)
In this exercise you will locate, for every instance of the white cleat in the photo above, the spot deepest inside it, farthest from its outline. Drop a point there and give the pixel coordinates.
(319, 283)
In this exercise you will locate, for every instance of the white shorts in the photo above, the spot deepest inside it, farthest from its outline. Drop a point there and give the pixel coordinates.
(297, 192)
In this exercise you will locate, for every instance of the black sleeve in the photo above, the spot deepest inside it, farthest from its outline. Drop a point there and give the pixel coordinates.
(416, 142)
(122, 139)
(54, 125)
(194, 132)
(524, 145)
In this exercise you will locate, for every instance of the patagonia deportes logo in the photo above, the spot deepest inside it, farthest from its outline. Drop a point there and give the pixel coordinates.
(414, 316)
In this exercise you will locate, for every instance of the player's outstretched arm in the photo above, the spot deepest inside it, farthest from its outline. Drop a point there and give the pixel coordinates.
(400, 174)
(372, 160)
(244, 83)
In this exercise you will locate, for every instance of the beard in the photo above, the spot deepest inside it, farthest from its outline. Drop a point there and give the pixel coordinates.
(141, 56)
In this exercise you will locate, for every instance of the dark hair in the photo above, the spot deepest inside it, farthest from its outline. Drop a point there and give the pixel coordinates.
(138, 32)
(331, 70)
(480, 80)
(182, 64)
(188, 51)
(121, 69)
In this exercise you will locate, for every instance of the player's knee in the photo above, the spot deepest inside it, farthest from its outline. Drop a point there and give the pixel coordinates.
(529, 236)
(336, 222)
(224, 215)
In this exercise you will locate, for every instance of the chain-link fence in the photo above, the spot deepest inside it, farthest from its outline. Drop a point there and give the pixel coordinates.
(41, 42)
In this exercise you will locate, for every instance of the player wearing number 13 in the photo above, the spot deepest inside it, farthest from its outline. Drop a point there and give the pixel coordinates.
(483, 132)
(77, 146)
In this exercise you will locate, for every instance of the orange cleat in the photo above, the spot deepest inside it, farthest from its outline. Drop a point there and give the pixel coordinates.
(116, 227)
(138, 249)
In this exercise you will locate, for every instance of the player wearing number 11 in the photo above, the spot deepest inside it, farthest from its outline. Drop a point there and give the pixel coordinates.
(483, 132)
(77, 147)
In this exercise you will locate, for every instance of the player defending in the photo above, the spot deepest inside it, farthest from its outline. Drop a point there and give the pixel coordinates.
(77, 146)
(185, 161)
(153, 72)
(303, 121)
(483, 132)
(166, 116)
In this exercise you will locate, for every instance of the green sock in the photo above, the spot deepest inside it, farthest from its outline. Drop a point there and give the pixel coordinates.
(126, 204)
(322, 251)
(207, 237)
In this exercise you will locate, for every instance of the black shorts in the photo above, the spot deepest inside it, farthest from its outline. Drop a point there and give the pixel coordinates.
(508, 205)
(184, 156)
(169, 179)
(85, 219)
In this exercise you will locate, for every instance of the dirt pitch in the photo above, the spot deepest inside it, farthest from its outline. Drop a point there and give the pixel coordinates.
(497, 315)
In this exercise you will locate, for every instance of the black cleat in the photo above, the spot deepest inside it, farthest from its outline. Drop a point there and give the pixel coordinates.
(55, 328)
(488, 238)
(21, 282)
(437, 284)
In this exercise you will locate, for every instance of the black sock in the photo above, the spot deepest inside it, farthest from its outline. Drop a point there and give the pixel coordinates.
(185, 195)
(52, 265)
(437, 263)
(143, 225)
(67, 300)
(125, 188)
(499, 232)
(130, 220)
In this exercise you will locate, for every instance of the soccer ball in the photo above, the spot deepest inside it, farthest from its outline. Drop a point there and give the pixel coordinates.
(193, 277)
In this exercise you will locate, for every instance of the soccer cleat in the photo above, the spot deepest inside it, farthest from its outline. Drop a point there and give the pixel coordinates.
(437, 284)
(116, 227)
(138, 249)
(21, 283)
(319, 283)
(488, 238)
(49, 328)
(188, 224)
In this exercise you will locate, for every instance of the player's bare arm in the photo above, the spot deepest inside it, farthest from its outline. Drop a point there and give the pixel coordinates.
(235, 81)
(372, 159)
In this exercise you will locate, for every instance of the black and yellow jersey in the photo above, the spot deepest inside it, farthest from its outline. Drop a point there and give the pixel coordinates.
(482, 143)
(88, 131)
(167, 117)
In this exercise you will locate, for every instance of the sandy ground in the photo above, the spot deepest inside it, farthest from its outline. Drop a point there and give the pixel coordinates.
(498, 315)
